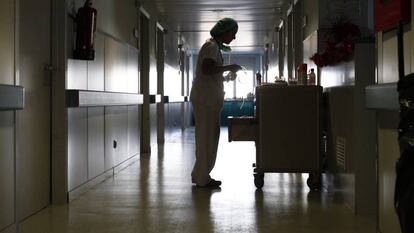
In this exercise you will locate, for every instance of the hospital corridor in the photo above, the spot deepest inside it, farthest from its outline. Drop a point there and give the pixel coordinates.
(206, 116)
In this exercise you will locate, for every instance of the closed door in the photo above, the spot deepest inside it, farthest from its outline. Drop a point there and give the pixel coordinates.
(7, 126)
(33, 122)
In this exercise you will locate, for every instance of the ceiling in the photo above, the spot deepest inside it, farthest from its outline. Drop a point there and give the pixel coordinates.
(193, 19)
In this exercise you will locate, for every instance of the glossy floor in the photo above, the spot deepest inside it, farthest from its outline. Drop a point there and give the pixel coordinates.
(155, 194)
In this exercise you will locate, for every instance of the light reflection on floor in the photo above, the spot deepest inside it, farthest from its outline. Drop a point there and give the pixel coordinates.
(156, 195)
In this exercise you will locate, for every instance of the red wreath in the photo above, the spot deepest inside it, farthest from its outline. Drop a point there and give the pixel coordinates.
(339, 44)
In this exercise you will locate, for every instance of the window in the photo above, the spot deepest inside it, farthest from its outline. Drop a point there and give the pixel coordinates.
(172, 81)
(240, 87)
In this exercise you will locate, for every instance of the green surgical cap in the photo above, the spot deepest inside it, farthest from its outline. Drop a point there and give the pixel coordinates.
(222, 26)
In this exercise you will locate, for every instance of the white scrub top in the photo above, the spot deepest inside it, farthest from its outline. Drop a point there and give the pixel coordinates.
(208, 89)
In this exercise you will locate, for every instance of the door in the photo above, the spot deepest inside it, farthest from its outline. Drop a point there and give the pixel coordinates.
(33, 122)
(7, 118)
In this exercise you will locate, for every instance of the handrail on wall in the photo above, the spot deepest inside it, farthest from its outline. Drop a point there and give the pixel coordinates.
(175, 99)
(85, 98)
(382, 97)
(11, 97)
(155, 99)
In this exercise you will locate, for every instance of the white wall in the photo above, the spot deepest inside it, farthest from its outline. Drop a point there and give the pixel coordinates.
(93, 130)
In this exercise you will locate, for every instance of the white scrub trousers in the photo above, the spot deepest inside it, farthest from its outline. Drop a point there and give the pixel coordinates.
(207, 133)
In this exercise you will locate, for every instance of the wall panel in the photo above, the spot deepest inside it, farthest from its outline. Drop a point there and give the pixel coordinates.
(132, 70)
(77, 74)
(117, 18)
(188, 114)
(342, 74)
(122, 135)
(6, 168)
(96, 141)
(389, 44)
(116, 121)
(390, 60)
(96, 68)
(116, 57)
(133, 130)
(153, 77)
(167, 128)
(173, 118)
(176, 115)
(153, 124)
(7, 42)
(77, 147)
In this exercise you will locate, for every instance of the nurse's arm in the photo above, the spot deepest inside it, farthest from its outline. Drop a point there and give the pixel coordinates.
(210, 67)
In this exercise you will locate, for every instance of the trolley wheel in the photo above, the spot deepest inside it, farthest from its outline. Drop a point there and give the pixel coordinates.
(314, 181)
(259, 180)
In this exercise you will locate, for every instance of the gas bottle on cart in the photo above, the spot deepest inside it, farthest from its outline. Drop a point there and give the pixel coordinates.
(302, 74)
(312, 77)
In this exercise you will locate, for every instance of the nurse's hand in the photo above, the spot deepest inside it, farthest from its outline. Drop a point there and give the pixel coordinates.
(234, 68)
(233, 76)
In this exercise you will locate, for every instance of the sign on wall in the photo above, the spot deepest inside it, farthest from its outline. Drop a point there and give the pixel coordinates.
(387, 13)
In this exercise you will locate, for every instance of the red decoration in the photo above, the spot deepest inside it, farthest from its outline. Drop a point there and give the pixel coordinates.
(388, 13)
(339, 44)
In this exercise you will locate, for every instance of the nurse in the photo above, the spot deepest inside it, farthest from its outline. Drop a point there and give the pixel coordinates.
(207, 96)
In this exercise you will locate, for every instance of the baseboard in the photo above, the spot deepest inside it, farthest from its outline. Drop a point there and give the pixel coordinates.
(125, 164)
(83, 188)
(9, 229)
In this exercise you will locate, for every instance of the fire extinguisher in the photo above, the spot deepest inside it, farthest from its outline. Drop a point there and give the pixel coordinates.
(85, 30)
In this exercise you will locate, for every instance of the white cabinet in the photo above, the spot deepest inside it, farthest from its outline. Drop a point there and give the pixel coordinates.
(289, 135)
(286, 129)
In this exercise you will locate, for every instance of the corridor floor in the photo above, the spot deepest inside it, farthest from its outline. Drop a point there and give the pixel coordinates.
(155, 195)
